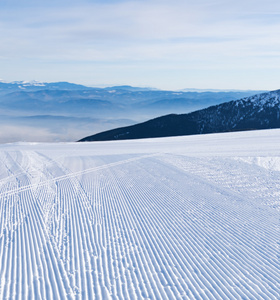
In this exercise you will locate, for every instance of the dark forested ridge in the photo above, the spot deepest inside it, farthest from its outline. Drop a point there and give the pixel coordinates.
(256, 112)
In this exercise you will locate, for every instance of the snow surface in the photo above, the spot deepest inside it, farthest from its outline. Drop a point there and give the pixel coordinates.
(194, 217)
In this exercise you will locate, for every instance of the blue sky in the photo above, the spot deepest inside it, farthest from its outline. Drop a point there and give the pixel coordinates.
(166, 44)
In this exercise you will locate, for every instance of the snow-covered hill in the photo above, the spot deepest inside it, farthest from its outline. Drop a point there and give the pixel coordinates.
(261, 111)
(193, 217)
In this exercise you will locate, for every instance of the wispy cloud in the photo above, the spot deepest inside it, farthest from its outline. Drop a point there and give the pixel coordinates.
(124, 34)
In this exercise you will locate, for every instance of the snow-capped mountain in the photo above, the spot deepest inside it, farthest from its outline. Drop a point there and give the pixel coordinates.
(34, 85)
(261, 111)
(29, 83)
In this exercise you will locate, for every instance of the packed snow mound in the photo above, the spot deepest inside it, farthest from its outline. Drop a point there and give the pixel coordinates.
(192, 217)
(269, 163)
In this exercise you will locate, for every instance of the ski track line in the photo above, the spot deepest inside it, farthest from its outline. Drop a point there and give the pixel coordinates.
(225, 274)
(156, 248)
(276, 277)
(36, 256)
(63, 177)
(147, 227)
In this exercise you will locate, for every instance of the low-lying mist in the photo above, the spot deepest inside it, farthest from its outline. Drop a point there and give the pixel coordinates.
(47, 128)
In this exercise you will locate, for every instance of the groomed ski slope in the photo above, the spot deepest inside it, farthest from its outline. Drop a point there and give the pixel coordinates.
(194, 217)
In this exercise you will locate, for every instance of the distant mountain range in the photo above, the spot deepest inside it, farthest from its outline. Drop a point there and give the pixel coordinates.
(64, 111)
(261, 111)
(118, 101)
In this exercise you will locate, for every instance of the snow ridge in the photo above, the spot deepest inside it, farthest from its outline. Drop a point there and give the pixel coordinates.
(270, 99)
